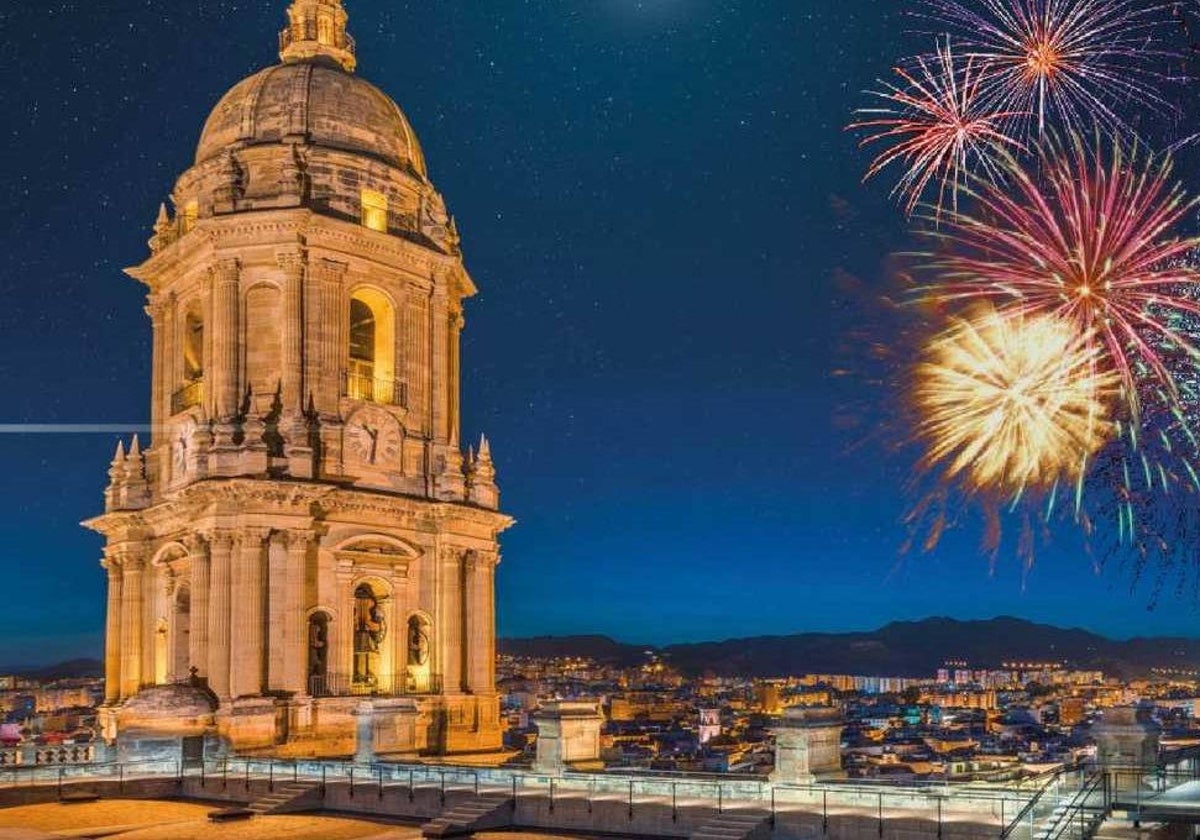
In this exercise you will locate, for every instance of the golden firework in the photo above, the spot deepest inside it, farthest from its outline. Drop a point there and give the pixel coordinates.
(1010, 401)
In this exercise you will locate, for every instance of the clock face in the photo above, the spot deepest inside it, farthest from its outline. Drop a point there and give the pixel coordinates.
(374, 439)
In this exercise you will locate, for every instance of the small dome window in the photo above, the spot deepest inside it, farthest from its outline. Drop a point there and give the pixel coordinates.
(375, 210)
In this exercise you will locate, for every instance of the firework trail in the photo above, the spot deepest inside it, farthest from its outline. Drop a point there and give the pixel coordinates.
(1011, 401)
(1076, 61)
(937, 128)
(1088, 236)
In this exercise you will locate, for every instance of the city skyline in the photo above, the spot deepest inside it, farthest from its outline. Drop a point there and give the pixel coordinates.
(667, 403)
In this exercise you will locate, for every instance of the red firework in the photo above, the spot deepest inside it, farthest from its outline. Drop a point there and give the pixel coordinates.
(1075, 59)
(1089, 237)
(938, 125)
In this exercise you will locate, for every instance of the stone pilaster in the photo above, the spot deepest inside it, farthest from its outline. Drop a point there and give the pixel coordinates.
(295, 640)
(247, 603)
(112, 634)
(454, 386)
(221, 550)
(159, 366)
(131, 623)
(201, 583)
(450, 619)
(439, 365)
(478, 628)
(292, 332)
(226, 332)
(151, 589)
(328, 338)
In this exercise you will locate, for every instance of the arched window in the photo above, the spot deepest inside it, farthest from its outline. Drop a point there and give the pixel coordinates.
(325, 31)
(189, 217)
(375, 210)
(193, 344)
(372, 363)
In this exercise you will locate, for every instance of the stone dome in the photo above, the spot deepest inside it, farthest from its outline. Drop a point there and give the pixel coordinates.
(316, 100)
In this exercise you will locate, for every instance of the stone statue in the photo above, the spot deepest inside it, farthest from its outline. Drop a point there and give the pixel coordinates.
(418, 643)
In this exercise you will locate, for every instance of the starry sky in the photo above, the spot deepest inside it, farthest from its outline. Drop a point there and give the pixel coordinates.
(666, 221)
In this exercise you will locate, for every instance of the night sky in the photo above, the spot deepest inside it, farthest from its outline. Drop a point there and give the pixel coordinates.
(660, 206)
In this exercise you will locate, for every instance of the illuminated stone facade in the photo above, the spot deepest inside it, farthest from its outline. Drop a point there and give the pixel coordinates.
(303, 533)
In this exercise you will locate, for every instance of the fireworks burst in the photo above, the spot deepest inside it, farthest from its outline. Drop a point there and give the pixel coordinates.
(1089, 242)
(938, 126)
(1076, 59)
(1010, 402)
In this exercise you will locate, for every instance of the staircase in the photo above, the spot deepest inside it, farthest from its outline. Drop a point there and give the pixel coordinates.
(289, 798)
(746, 825)
(1076, 816)
(480, 813)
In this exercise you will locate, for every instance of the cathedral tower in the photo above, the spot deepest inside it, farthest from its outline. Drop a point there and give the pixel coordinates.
(302, 536)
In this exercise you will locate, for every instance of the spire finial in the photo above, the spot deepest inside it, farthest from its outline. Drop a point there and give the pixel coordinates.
(316, 29)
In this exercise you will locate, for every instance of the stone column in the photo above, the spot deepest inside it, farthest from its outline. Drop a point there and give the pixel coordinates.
(226, 337)
(152, 586)
(159, 367)
(201, 578)
(416, 335)
(478, 622)
(454, 386)
(221, 548)
(328, 329)
(247, 602)
(295, 636)
(450, 620)
(292, 264)
(486, 675)
(112, 634)
(439, 365)
(131, 624)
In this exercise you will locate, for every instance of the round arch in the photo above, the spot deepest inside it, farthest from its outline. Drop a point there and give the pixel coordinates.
(371, 366)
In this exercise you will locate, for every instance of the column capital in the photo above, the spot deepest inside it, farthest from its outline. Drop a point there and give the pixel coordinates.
(299, 539)
(254, 537)
(451, 553)
(130, 559)
(227, 270)
(331, 270)
(218, 538)
(291, 261)
(197, 544)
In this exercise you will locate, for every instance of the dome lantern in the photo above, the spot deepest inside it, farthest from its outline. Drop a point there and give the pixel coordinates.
(317, 28)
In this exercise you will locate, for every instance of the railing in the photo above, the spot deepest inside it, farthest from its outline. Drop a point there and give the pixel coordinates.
(386, 685)
(307, 31)
(189, 396)
(1079, 818)
(1042, 803)
(359, 386)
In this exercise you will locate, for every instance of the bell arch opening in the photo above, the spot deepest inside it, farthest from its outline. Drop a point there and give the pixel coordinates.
(371, 368)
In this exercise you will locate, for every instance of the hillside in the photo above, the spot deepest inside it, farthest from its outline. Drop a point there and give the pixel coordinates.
(907, 648)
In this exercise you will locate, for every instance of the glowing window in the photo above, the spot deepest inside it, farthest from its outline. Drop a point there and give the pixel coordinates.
(375, 210)
(191, 212)
(193, 346)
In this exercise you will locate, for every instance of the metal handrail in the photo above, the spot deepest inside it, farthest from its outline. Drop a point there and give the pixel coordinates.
(1033, 803)
(1078, 806)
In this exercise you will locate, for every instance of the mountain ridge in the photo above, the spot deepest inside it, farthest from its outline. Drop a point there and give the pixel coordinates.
(900, 648)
